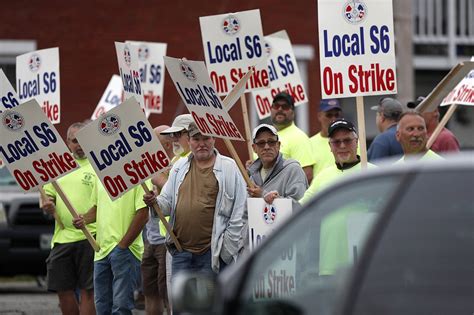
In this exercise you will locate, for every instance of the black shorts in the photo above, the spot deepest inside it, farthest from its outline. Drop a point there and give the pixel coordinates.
(70, 266)
(154, 271)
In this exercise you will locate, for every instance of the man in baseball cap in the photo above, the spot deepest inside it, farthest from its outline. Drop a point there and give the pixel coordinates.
(343, 142)
(329, 111)
(386, 144)
(294, 143)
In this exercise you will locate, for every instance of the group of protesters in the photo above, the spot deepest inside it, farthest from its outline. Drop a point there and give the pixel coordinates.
(204, 196)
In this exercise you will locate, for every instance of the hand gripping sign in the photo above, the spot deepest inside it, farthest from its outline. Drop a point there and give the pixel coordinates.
(263, 220)
(113, 96)
(233, 43)
(283, 72)
(152, 67)
(124, 151)
(34, 153)
(37, 75)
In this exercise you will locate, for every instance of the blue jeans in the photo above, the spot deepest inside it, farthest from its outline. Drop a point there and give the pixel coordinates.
(115, 279)
(187, 261)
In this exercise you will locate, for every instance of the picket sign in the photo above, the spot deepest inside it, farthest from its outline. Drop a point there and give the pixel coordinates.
(455, 96)
(444, 87)
(34, 152)
(357, 53)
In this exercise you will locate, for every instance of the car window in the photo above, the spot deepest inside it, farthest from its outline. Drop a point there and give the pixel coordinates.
(298, 271)
(6, 179)
(423, 263)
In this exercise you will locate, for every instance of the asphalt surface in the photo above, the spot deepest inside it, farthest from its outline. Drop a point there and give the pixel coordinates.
(27, 297)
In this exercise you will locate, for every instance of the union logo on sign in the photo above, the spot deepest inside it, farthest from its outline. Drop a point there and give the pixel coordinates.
(126, 56)
(354, 11)
(188, 71)
(34, 62)
(230, 25)
(14, 121)
(269, 214)
(109, 125)
(268, 48)
(143, 52)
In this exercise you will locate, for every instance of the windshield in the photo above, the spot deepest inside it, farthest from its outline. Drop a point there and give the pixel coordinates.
(299, 271)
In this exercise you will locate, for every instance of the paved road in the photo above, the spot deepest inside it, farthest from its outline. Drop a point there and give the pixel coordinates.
(26, 297)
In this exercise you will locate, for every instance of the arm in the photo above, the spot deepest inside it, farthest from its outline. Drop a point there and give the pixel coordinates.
(83, 219)
(296, 185)
(232, 234)
(139, 221)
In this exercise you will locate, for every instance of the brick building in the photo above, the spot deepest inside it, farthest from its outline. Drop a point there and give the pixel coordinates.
(85, 32)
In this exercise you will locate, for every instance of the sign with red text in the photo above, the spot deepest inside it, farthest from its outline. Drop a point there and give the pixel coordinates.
(122, 148)
(198, 94)
(8, 96)
(463, 93)
(31, 148)
(112, 97)
(129, 70)
(283, 73)
(263, 219)
(152, 67)
(37, 76)
(356, 48)
(233, 43)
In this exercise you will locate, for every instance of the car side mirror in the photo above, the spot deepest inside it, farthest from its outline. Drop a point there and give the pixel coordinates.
(193, 293)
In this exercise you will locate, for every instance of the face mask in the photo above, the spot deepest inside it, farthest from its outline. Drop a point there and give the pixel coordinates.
(177, 149)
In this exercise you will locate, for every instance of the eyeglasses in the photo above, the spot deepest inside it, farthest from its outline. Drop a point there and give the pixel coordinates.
(337, 143)
(261, 144)
(285, 106)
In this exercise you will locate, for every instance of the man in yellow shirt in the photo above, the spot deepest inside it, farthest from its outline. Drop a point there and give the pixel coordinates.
(294, 143)
(117, 264)
(70, 263)
(329, 111)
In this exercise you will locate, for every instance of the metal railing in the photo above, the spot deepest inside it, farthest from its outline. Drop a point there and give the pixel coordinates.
(443, 29)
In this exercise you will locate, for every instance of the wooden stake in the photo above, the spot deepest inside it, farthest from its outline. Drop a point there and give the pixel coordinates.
(55, 214)
(242, 169)
(163, 220)
(361, 129)
(73, 211)
(245, 116)
(441, 125)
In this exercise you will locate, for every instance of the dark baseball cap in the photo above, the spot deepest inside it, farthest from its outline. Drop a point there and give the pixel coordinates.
(340, 124)
(285, 97)
(415, 103)
(327, 105)
(389, 107)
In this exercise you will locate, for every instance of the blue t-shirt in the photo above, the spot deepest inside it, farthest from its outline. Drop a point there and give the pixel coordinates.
(385, 145)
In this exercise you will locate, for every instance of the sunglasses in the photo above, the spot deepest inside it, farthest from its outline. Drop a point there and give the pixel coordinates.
(278, 106)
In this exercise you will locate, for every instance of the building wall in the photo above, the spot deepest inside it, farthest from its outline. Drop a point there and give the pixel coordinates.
(85, 32)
